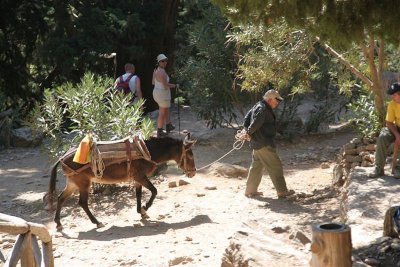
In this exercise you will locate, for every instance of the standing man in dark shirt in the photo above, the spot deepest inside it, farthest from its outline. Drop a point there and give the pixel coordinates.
(260, 125)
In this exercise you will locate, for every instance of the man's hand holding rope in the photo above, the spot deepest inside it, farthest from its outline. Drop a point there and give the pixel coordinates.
(242, 135)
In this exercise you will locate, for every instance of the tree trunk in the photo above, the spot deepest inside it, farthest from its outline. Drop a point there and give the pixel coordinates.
(162, 41)
(331, 245)
(348, 65)
(376, 87)
(374, 83)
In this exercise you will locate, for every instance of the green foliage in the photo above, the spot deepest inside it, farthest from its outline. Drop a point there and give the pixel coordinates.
(44, 43)
(321, 113)
(280, 57)
(288, 123)
(48, 118)
(365, 116)
(276, 55)
(367, 25)
(339, 22)
(3, 101)
(205, 64)
(72, 111)
(22, 26)
(393, 58)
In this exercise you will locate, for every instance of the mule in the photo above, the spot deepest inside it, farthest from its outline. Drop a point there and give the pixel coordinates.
(81, 178)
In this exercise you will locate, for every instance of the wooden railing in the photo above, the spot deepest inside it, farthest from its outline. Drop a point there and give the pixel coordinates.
(26, 247)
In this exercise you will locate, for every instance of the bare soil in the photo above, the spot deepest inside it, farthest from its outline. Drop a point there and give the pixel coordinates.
(196, 224)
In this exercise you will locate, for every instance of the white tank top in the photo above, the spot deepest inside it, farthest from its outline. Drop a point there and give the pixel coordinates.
(158, 84)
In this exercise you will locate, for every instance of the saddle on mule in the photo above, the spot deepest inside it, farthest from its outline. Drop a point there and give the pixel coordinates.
(105, 153)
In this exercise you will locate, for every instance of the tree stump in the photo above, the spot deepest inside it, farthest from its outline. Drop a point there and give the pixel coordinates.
(331, 245)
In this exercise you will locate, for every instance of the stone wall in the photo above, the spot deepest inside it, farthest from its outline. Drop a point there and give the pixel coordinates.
(358, 152)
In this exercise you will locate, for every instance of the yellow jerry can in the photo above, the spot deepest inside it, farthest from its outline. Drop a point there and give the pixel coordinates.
(82, 155)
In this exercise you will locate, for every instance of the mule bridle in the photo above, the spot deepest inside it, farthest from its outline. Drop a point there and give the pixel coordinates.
(183, 160)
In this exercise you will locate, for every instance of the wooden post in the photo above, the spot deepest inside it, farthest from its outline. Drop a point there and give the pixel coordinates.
(26, 248)
(47, 254)
(331, 245)
(16, 252)
(27, 257)
(37, 254)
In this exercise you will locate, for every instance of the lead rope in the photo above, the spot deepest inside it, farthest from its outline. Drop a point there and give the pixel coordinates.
(98, 166)
(240, 138)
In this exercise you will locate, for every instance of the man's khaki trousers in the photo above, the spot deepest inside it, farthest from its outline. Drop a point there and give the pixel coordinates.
(265, 158)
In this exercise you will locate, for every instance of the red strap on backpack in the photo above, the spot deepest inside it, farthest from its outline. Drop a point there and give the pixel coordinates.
(125, 84)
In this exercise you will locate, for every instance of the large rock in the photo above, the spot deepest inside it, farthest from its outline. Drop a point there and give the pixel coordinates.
(24, 137)
(228, 170)
(368, 200)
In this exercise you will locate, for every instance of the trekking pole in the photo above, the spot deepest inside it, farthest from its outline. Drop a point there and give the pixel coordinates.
(179, 115)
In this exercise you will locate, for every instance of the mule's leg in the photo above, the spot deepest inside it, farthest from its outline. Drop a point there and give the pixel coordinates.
(83, 202)
(139, 209)
(67, 192)
(144, 181)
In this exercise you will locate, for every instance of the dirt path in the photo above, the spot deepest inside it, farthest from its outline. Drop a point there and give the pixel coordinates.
(191, 224)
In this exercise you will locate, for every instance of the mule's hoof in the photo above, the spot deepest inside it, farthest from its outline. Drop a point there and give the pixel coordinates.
(100, 225)
(144, 213)
(59, 228)
(145, 216)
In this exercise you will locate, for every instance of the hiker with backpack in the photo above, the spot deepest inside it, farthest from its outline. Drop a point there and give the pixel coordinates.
(162, 95)
(129, 83)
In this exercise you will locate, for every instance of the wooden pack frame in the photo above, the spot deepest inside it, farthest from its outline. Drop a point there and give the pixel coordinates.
(118, 150)
(112, 152)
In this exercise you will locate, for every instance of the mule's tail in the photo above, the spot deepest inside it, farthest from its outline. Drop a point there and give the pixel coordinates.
(49, 196)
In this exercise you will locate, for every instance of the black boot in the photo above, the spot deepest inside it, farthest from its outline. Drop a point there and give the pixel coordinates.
(169, 127)
(161, 133)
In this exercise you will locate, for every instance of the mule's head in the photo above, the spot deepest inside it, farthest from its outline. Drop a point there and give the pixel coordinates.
(187, 158)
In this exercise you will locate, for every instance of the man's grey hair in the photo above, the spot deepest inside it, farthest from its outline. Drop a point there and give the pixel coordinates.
(129, 66)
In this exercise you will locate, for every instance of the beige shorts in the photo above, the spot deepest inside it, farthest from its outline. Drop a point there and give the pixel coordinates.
(162, 97)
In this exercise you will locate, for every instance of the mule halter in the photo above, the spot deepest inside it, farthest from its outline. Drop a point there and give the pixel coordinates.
(183, 161)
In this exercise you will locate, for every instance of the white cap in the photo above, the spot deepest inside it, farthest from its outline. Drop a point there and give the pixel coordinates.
(272, 94)
(161, 57)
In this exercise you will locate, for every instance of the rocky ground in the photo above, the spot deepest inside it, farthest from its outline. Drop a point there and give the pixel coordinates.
(204, 221)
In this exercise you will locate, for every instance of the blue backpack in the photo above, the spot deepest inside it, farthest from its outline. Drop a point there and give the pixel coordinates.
(396, 219)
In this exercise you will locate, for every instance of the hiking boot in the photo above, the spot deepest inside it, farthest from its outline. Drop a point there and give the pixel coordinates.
(169, 127)
(378, 171)
(254, 194)
(161, 133)
(286, 194)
